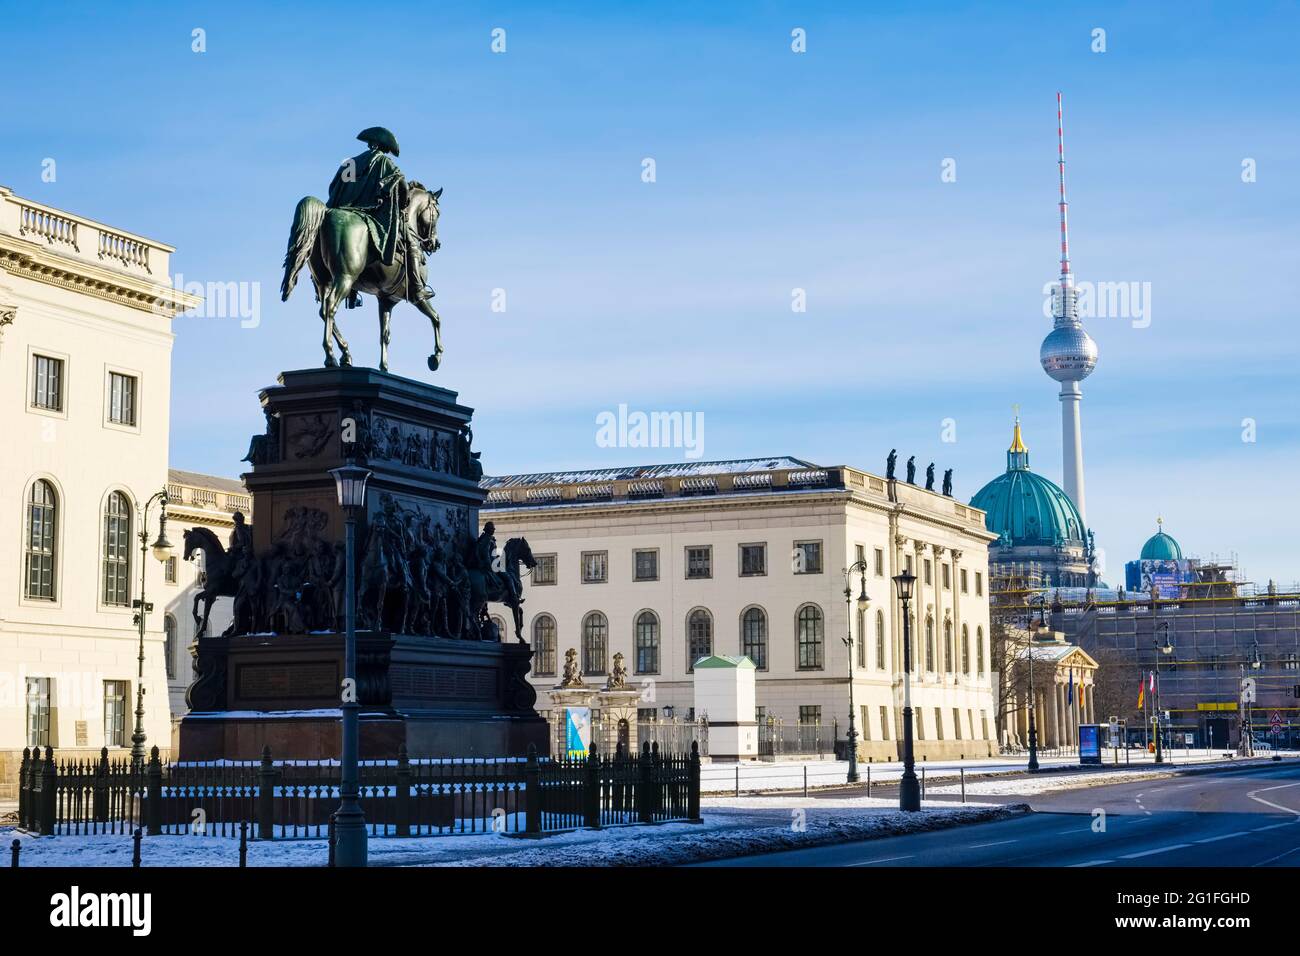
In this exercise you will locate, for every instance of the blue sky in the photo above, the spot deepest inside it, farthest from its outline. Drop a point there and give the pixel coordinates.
(775, 171)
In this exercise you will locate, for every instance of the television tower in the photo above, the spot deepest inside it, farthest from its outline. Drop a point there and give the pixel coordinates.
(1068, 353)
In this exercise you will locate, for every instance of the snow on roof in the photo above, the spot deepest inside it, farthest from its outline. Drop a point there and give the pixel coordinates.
(199, 480)
(689, 469)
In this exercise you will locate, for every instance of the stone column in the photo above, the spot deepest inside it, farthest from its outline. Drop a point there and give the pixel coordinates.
(956, 617)
(1049, 705)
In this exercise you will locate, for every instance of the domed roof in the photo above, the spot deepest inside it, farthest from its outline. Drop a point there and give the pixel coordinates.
(1027, 509)
(1160, 546)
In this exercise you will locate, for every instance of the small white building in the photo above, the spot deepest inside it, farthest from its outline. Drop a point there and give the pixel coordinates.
(673, 563)
(85, 378)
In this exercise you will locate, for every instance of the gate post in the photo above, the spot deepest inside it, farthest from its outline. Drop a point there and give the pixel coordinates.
(266, 797)
(22, 787)
(643, 784)
(99, 801)
(153, 802)
(49, 787)
(532, 793)
(693, 796)
(591, 790)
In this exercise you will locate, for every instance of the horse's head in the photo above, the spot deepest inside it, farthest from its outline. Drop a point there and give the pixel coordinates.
(517, 551)
(424, 216)
(193, 542)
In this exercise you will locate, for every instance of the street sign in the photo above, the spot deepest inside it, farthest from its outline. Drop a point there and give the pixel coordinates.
(1248, 690)
(1275, 719)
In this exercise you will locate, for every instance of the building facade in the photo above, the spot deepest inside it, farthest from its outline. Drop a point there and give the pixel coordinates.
(85, 377)
(194, 501)
(671, 564)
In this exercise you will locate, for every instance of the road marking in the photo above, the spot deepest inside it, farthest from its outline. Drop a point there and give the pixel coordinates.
(1270, 803)
(1162, 849)
(1091, 863)
(887, 859)
(978, 846)
(1273, 827)
(1276, 858)
(1226, 836)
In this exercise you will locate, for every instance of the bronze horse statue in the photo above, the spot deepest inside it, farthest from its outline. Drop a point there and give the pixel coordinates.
(219, 579)
(335, 244)
(486, 586)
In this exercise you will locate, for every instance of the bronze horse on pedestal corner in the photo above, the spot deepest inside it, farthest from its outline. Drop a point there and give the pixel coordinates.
(218, 577)
(335, 245)
(485, 586)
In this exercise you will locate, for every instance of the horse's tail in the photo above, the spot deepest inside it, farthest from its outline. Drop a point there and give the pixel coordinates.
(307, 219)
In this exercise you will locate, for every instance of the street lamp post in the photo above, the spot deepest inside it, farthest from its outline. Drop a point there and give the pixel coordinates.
(349, 820)
(909, 788)
(1033, 697)
(162, 550)
(863, 603)
(1165, 648)
(1246, 745)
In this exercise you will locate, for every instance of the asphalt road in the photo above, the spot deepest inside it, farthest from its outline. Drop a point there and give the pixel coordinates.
(1234, 818)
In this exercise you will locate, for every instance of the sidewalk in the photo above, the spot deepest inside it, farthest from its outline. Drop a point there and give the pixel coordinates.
(732, 827)
(763, 777)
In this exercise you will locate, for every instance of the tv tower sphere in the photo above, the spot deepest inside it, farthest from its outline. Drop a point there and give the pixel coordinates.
(1068, 354)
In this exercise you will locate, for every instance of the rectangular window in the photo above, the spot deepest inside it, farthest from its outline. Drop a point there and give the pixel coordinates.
(645, 565)
(947, 577)
(699, 563)
(810, 713)
(984, 725)
(595, 567)
(860, 553)
(808, 557)
(121, 398)
(645, 715)
(169, 570)
(760, 715)
(928, 576)
(38, 711)
(964, 582)
(753, 560)
(920, 724)
(956, 723)
(864, 721)
(979, 584)
(938, 724)
(115, 697)
(884, 723)
(544, 573)
(47, 383)
(907, 563)
(880, 562)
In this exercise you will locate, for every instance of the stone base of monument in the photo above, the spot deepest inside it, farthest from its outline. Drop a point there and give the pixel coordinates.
(438, 697)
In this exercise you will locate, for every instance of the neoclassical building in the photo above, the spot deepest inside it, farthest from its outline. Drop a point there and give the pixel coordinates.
(670, 564)
(1063, 691)
(85, 375)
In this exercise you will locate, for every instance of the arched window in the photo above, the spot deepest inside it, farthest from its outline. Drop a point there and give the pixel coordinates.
(979, 651)
(595, 642)
(753, 636)
(949, 660)
(699, 637)
(929, 644)
(42, 525)
(647, 643)
(965, 650)
(862, 640)
(544, 645)
(169, 645)
(880, 640)
(809, 625)
(500, 623)
(117, 550)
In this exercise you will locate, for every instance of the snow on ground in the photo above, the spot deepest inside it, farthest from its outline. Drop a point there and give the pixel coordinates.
(731, 827)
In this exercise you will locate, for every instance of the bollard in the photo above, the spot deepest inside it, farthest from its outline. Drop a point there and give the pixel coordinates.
(963, 784)
(135, 853)
(243, 843)
(14, 851)
(805, 781)
(868, 779)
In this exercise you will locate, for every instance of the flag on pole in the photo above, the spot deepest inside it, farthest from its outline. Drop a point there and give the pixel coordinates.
(1142, 689)
(1152, 684)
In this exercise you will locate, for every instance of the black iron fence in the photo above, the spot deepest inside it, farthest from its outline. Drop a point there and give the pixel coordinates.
(401, 798)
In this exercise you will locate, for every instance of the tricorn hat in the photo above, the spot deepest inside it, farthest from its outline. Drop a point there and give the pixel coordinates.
(381, 139)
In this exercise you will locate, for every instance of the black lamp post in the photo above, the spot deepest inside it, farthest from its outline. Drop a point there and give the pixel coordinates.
(349, 820)
(1033, 694)
(909, 788)
(162, 550)
(863, 603)
(1165, 648)
(1246, 745)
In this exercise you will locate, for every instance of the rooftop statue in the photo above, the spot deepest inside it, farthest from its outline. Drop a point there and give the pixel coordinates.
(372, 236)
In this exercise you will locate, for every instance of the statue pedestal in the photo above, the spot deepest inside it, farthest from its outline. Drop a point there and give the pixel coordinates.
(430, 676)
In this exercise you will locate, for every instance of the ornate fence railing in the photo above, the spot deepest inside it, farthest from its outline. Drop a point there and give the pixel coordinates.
(400, 798)
(776, 738)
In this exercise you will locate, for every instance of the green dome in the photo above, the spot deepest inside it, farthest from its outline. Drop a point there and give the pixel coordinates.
(1161, 547)
(1025, 509)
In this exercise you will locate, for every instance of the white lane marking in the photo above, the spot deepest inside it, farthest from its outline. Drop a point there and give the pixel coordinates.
(1161, 849)
(1226, 836)
(1090, 863)
(1270, 803)
(1276, 858)
(978, 846)
(886, 859)
(1273, 827)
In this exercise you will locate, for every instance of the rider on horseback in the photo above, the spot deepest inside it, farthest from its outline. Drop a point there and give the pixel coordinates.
(485, 559)
(372, 184)
(240, 547)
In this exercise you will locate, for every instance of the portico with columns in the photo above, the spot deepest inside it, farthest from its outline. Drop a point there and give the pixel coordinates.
(1065, 693)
